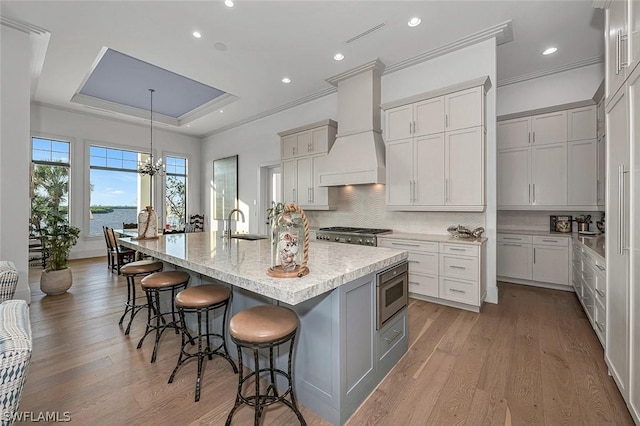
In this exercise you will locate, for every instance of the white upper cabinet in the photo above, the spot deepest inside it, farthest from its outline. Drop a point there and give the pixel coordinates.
(617, 46)
(429, 155)
(302, 149)
(582, 173)
(548, 161)
(399, 123)
(549, 128)
(464, 109)
(549, 175)
(514, 133)
(429, 117)
(464, 172)
(514, 177)
(582, 123)
(435, 150)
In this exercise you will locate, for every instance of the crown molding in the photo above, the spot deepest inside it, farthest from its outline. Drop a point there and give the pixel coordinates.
(550, 71)
(39, 40)
(284, 107)
(503, 33)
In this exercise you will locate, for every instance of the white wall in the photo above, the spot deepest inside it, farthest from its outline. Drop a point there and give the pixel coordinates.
(84, 129)
(15, 154)
(258, 143)
(561, 88)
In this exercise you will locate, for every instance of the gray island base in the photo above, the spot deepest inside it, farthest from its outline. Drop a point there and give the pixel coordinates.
(340, 357)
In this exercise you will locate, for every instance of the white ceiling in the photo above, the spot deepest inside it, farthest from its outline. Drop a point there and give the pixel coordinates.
(268, 40)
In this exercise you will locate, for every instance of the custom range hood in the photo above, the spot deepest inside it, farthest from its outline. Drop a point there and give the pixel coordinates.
(357, 156)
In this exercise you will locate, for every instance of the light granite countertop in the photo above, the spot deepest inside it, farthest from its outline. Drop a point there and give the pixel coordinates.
(244, 263)
(594, 243)
(535, 233)
(438, 238)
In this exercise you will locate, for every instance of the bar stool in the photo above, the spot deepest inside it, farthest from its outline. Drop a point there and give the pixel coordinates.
(131, 271)
(153, 285)
(202, 299)
(264, 327)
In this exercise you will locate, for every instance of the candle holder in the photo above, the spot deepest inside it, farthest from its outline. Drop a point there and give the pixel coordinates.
(289, 243)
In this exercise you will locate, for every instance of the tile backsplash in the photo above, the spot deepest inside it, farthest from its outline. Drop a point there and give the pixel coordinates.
(364, 206)
(529, 220)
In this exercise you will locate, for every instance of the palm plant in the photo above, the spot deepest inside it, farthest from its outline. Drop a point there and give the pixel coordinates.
(57, 239)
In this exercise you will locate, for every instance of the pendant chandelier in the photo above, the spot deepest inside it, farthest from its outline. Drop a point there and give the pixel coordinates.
(149, 167)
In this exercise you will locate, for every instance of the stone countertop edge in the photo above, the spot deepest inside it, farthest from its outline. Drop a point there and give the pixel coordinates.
(595, 244)
(292, 291)
(536, 233)
(436, 238)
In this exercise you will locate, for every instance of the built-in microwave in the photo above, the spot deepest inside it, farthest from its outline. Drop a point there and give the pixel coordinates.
(392, 286)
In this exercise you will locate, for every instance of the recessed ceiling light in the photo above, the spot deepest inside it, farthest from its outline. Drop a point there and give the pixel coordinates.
(221, 111)
(414, 22)
(197, 34)
(550, 50)
(286, 80)
(338, 56)
(228, 3)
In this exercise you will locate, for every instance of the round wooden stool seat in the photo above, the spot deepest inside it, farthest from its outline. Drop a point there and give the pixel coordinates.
(141, 267)
(261, 324)
(202, 296)
(164, 279)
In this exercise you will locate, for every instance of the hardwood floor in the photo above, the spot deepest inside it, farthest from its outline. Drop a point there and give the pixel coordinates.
(532, 359)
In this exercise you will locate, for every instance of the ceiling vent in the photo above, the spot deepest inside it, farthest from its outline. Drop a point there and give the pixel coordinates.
(365, 33)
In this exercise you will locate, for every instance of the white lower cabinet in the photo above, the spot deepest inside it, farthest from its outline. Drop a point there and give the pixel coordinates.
(447, 273)
(588, 278)
(533, 258)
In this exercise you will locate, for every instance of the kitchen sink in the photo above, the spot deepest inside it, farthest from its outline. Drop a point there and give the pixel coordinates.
(250, 237)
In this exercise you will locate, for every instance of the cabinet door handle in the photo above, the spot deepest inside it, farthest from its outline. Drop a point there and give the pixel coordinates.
(600, 327)
(512, 245)
(309, 195)
(456, 249)
(455, 290)
(410, 131)
(413, 283)
(294, 195)
(529, 193)
(413, 261)
(534, 191)
(534, 136)
(396, 334)
(415, 191)
(511, 238)
(446, 121)
(446, 190)
(410, 191)
(406, 244)
(602, 268)
(623, 38)
(534, 255)
(618, 52)
(600, 293)
(550, 241)
(456, 267)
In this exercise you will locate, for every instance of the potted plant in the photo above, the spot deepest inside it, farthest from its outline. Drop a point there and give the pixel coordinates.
(57, 239)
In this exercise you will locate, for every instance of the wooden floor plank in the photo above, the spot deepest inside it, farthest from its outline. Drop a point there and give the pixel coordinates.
(532, 359)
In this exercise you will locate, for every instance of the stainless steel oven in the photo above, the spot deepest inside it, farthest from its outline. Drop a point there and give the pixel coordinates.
(392, 292)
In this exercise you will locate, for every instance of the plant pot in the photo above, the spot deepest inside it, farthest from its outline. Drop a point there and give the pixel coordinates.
(56, 282)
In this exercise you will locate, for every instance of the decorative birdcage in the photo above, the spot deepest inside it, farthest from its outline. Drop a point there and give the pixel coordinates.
(289, 243)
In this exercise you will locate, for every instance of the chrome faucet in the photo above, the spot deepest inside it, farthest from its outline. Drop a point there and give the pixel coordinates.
(228, 232)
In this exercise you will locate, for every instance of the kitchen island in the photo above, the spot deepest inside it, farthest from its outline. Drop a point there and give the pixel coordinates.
(340, 356)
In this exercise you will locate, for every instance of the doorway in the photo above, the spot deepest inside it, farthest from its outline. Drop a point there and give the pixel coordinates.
(270, 193)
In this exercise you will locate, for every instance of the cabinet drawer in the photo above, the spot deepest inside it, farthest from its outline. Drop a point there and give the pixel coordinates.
(513, 238)
(410, 245)
(588, 301)
(551, 241)
(423, 262)
(391, 334)
(459, 267)
(426, 285)
(459, 291)
(459, 249)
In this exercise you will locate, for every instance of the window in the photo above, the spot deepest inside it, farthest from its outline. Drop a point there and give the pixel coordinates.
(175, 201)
(118, 191)
(50, 179)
